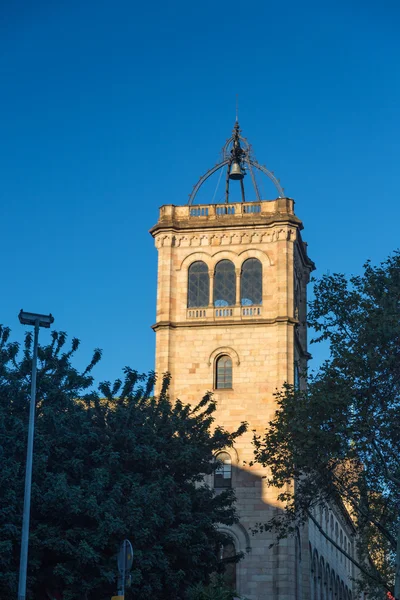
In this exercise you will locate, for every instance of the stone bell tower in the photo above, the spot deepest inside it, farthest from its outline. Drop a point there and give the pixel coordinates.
(231, 311)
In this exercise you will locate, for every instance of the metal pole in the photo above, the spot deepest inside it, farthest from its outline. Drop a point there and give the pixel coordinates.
(242, 189)
(253, 178)
(23, 566)
(397, 567)
(122, 573)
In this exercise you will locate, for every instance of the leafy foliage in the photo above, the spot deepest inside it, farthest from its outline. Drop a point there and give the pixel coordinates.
(215, 590)
(119, 464)
(339, 440)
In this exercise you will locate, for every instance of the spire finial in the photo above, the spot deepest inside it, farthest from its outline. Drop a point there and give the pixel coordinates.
(236, 129)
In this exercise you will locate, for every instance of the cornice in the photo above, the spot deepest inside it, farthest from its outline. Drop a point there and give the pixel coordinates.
(223, 323)
(176, 225)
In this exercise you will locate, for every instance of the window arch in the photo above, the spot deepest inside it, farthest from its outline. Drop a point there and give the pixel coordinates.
(198, 285)
(223, 472)
(224, 284)
(251, 282)
(223, 372)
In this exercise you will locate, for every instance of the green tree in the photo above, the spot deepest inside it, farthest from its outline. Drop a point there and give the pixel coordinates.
(215, 590)
(339, 440)
(119, 464)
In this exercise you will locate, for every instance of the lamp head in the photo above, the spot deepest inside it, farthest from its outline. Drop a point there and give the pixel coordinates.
(28, 318)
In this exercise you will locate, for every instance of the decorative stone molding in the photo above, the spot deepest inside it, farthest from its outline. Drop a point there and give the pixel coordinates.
(226, 239)
(223, 350)
(237, 258)
(239, 534)
(256, 253)
(232, 452)
(193, 256)
(164, 241)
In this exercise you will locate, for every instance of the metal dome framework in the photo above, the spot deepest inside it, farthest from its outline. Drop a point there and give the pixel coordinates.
(240, 158)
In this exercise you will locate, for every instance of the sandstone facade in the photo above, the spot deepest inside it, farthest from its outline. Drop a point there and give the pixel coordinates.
(267, 344)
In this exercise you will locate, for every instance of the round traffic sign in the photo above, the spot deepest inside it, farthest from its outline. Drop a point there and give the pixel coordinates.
(125, 557)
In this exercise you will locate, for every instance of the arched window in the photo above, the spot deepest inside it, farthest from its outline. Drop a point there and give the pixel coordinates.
(198, 285)
(341, 591)
(321, 580)
(224, 284)
(223, 473)
(341, 545)
(314, 579)
(223, 372)
(228, 559)
(296, 376)
(298, 569)
(328, 583)
(251, 282)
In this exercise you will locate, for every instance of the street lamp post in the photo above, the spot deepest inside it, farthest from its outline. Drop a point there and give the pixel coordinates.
(37, 321)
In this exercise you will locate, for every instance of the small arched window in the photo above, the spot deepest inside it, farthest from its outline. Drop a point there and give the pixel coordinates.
(251, 282)
(225, 284)
(198, 285)
(223, 372)
(223, 473)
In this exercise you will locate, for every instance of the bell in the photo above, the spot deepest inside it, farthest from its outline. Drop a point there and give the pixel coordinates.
(236, 172)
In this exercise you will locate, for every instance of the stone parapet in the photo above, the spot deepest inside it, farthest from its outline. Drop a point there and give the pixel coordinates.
(226, 215)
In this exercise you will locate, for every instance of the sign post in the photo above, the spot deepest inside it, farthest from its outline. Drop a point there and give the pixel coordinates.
(125, 561)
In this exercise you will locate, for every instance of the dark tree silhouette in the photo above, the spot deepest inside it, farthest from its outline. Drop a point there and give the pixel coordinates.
(109, 465)
(339, 440)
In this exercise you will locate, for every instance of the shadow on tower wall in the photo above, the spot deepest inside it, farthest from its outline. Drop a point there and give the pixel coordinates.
(301, 567)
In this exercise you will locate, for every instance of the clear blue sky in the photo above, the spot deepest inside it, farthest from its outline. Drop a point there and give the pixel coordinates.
(109, 109)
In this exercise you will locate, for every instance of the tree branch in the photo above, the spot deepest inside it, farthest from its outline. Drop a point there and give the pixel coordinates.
(367, 515)
(384, 464)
